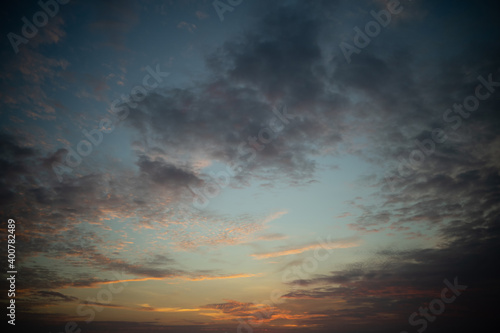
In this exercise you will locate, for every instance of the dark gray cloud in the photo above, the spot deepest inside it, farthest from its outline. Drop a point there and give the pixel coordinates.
(56, 296)
(166, 174)
(278, 63)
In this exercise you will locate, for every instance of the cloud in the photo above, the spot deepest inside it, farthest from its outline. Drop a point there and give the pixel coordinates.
(163, 173)
(335, 244)
(187, 26)
(267, 68)
(255, 313)
(51, 296)
(271, 237)
(146, 307)
(201, 15)
(394, 282)
(229, 306)
(193, 277)
(274, 216)
(114, 20)
(233, 276)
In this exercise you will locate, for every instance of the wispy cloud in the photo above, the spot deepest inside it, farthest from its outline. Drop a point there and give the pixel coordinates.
(147, 307)
(185, 278)
(335, 244)
(274, 216)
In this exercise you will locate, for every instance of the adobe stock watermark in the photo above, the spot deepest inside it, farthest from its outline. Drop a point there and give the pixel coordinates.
(120, 109)
(221, 7)
(427, 147)
(302, 271)
(50, 8)
(436, 306)
(247, 151)
(372, 29)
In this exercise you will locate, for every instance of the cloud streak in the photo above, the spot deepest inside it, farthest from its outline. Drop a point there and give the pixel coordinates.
(335, 244)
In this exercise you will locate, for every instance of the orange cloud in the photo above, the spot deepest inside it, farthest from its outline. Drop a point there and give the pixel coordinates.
(337, 244)
(186, 278)
(234, 276)
(254, 313)
(147, 307)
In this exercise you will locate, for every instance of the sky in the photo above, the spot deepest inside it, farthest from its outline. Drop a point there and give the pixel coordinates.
(250, 166)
